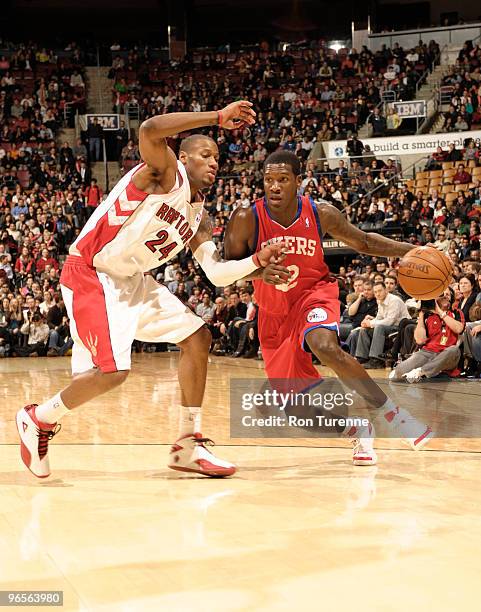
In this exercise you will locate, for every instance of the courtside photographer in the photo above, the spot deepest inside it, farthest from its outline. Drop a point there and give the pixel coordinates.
(437, 332)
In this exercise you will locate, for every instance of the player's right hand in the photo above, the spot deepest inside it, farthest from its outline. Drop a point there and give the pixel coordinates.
(273, 274)
(236, 115)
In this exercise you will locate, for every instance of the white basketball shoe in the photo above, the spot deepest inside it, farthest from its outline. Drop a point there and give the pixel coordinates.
(363, 441)
(190, 454)
(414, 432)
(34, 439)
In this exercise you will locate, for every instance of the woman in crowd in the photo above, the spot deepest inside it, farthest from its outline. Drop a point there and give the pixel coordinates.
(469, 290)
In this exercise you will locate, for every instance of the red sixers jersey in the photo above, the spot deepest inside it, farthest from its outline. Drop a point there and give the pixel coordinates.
(305, 255)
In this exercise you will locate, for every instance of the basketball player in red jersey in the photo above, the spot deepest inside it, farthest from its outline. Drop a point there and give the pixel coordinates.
(153, 212)
(301, 316)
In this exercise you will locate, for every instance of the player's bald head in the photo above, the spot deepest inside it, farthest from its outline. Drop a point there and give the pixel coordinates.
(200, 156)
(196, 141)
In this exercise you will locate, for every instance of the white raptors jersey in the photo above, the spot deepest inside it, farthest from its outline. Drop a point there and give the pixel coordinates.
(132, 232)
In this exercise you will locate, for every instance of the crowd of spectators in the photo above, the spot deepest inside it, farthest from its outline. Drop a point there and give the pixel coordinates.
(301, 94)
(463, 86)
(42, 215)
(45, 192)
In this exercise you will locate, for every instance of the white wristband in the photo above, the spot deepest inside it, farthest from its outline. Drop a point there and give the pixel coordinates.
(222, 273)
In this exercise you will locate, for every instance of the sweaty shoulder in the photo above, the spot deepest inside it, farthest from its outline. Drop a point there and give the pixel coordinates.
(329, 216)
(243, 216)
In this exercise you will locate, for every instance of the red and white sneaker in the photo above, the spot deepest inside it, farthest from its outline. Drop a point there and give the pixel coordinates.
(34, 439)
(414, 432)
(190, 454)
(362, 439)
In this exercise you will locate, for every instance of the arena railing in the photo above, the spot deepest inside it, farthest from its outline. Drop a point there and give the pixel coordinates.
(106, 165)
(434, 98)
(347, 159)
(399, 177)
(436, 61)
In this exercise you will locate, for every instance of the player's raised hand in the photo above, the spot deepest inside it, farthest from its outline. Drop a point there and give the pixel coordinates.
(236, 115)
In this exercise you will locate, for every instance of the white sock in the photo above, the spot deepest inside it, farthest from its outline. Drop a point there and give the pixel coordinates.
(189, 420)
(52, 410)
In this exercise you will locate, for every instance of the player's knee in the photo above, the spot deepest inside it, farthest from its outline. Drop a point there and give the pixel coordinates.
(110, 380)
(324, 347)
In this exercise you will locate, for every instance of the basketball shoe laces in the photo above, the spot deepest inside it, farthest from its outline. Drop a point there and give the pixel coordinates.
(356, 443)
(201, 441)
(44, 437)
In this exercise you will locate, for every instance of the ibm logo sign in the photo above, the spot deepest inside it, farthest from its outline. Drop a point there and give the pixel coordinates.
(107, 121)
(410, 110)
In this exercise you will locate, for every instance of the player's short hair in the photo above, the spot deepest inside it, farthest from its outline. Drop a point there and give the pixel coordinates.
(188, 143)
(379, 283)
(284, 157)
(369, 283)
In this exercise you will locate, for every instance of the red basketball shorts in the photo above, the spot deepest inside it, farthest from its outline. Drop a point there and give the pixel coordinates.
(282, 337)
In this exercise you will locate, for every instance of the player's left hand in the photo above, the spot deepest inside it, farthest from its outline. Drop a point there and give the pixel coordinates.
(272, 253)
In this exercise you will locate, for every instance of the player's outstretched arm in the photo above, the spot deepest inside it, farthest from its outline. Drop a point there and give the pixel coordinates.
(154, 131)
(337, 226)
(239, 242)
(220, 272)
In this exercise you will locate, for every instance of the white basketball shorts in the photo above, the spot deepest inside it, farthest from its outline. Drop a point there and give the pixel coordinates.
(106, 315)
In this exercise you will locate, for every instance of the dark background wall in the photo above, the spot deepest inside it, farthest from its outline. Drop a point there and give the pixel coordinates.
(213, 22)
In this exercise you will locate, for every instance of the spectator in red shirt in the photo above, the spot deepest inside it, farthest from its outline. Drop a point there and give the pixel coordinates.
(436, 159)
(93, 195)
(461, 177)
(24, 264)
(45, 260)
(437, 333)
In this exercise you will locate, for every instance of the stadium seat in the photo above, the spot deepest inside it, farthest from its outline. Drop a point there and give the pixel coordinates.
(447, 189)
(421, 184)
(434, 174)
(447, 165)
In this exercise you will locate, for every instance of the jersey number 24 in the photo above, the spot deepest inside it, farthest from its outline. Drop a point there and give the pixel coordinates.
(154, 245)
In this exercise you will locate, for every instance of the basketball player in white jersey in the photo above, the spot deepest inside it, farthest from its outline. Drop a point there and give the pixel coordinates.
(153, 212)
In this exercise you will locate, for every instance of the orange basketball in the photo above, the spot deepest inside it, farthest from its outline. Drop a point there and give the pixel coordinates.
(424, 273)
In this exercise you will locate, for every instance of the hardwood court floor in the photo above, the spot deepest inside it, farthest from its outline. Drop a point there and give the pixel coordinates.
(297, 527)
